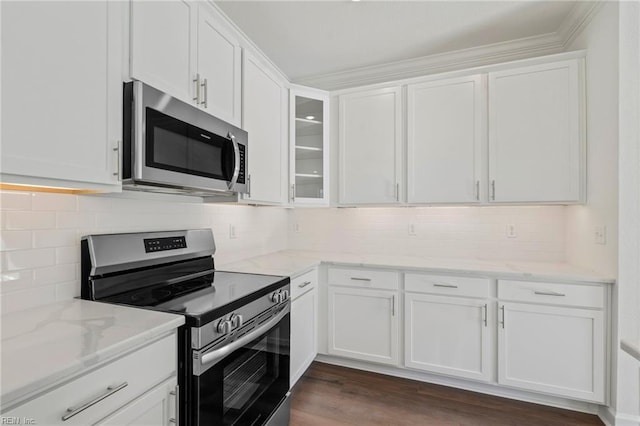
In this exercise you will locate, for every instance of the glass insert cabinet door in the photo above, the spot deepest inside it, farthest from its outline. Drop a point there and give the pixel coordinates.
(309, 183)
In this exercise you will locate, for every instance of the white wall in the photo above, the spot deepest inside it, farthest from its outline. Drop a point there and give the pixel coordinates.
(459, 232)
(40, 236)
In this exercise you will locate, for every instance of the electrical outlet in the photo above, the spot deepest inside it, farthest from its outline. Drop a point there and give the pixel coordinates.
(296, 228)
(412, 229)
(600, 235)
(511, 231)
(232, 231)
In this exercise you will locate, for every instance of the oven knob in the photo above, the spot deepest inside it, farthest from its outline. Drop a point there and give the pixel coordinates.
(224, 326)
(236, 321)
(276, 298)
(285, 295)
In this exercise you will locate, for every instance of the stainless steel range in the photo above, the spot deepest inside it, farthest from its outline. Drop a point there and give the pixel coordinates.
(234, 346)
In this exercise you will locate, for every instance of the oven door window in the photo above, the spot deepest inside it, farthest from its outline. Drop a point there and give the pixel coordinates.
(174, 145)
(246, 387)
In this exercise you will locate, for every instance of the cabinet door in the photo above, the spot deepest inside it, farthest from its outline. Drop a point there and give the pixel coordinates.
(156, 407)
(219, 62)
(163, 46)
(303, 333)
(61, 91)
(309, 146)
(264, 103)
(446, 121)
(535, 133)
(363, 324)
(447, 335)
(370, 147)
(550, 349)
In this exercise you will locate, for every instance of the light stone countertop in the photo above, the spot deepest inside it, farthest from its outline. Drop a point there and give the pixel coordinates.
(631, 347)
(44, 345)
(295, 262)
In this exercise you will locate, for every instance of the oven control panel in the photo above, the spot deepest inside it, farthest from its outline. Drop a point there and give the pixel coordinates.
(162, 244)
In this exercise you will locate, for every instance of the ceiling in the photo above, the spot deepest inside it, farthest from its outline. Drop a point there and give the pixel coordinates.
(309, 39)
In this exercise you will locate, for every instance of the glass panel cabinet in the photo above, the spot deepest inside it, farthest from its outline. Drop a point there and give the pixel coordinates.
(309, 157)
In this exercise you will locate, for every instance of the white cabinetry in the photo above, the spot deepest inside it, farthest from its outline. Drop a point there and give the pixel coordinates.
(61, 93)
(126, 389)
(370, 147)
(309, 146)
(183, 48)
(264, 118)
(304, 323)
(446, 121)
(535, 133)
(551, 339)
(363, 322)
(448, 334)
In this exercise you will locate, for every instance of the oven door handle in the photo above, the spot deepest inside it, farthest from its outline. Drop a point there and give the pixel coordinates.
(236, 167)
(209, 359)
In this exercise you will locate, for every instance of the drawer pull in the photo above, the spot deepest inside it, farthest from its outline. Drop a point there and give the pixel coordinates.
(548, 293)
(360, 279)
(484, 316)
(176, 393)
(445, 285)
(304, 284)
(110, 391)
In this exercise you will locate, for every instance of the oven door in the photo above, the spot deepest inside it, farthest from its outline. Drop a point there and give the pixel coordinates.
(244, 382)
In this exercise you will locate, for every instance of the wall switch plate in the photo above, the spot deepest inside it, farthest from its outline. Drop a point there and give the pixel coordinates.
(412, 229)
(511, 231)
(232, 231)
(600, 235)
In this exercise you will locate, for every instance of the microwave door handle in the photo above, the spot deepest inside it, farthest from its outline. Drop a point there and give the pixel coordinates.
(236, 166)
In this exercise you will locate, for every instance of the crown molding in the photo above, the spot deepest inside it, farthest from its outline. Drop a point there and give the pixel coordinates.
(545, 44)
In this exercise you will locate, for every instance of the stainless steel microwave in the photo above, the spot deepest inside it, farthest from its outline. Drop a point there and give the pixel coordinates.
(172, 147)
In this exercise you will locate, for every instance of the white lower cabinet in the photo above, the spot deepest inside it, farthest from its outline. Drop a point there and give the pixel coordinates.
(552, 349)
(304, 324)
(447, 335)
(363, 324)
(133, 389)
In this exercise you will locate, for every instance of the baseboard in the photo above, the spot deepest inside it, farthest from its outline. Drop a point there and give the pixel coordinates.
(610, 418)
(486, 388)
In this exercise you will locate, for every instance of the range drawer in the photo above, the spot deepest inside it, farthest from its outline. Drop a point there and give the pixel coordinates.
(589, 296)
(303, 283)
(140, 370)
(449, 285)
(362, 277)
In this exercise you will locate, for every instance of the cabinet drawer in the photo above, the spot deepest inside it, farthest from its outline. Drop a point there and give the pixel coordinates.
(552, 293)
(140, 370)
(443, 284)
(360, 277)
(303, 283)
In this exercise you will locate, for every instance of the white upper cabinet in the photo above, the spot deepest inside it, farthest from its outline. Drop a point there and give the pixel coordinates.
(264, 118)
(446, 121)
(61, 93)
(370, 147)
(219, 62)
(163, 46)
(309, 146)
(182, 47)
(535, 133)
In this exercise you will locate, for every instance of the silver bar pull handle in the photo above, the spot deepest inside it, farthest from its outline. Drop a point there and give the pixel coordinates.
(196, 82)
(477, 190)
(493, 190)
(72, 411)
(205, 89)
(445, 285)
(393, 305)
(397, 192)
(484, 309)
(249, 186)
(116, 150)
(360, 279)
(502, 321)
(293, 192)
(304, 284)
(176, 393)
(548, 293)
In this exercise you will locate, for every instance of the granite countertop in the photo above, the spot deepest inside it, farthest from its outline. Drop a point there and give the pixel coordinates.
(295, 262)
(44, 345)
(631, 347)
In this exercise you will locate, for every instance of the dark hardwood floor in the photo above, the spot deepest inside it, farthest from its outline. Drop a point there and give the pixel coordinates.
(329, 395)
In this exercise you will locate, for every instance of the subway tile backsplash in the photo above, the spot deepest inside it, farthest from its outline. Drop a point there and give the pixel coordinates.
(40, 239)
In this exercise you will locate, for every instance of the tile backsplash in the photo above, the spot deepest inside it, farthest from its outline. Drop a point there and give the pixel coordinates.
(40, 239)
(458, 232)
